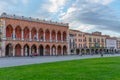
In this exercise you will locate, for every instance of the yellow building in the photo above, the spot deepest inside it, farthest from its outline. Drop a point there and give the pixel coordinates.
(95, 39)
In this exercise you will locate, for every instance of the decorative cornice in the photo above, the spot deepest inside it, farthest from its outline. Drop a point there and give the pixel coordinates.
(5, 15)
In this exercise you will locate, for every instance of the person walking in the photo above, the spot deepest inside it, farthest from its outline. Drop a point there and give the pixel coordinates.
(101, 53)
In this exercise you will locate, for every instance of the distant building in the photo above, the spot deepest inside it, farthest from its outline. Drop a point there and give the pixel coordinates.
(111, 42)
(95, 39)
(71, 43)
(118, 43)
(79, 38)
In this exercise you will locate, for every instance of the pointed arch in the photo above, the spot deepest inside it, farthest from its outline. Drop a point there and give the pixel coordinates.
(54, 50)
(59, 49)
(18, 32)
(34, 49)
(64, 36)
(53, 35)
(59, 36)
(47, 50)
(41, 50)
(9, 31)
(18, 50)
(41, 34)
(26, 33)
(9, 50)
(77, 51)
(47, 35)
(26, 50)
(87, 51)
(64, 50)
(34, 34)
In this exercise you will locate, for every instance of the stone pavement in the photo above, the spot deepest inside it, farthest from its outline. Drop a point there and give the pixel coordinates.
(18, 61)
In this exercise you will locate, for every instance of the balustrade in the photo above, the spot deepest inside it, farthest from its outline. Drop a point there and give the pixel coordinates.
(37, 39)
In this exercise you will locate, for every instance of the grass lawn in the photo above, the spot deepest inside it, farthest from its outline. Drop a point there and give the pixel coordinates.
(88, 69)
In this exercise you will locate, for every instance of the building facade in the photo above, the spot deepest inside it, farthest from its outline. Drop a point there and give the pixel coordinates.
(118, 43)
(22, 36)
(95, 39)
(111, 42)
(71, 43)
(79, 38)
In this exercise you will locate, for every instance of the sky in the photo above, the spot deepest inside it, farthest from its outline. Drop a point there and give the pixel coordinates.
(83, 15)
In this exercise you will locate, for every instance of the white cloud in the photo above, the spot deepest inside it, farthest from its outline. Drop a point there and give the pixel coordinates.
(71, 9)
(90, 15)
(86, 27)
(79, 26)
(25, 1)
(54, 5)
(104, 2)
(12, 6)
(111, 33)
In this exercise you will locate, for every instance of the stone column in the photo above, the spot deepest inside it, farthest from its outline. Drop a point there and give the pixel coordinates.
(89, 51)
(26, 51)
(14, 37)
(56, 52)
(67, 38)
(3, 29)
(56, 37)
(44, 36)
(37, 36)
(30, 51)
(37, 50)
(61, 37)
(3, 49)
(50, 36)
(30, 36)
(44, 52)
(13, 51)
(85, 52)
(22, 35)
(50, 51)
(21, 51)
(68, 49)
(62, 50)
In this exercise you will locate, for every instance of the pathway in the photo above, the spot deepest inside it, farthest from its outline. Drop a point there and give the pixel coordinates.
(18, 61)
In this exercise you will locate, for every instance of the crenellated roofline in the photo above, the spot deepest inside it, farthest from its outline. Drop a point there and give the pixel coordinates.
(5, 15)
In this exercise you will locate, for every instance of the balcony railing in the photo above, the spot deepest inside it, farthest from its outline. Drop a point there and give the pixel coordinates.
(34, 40)
(9, 38)
(26, 39)
(41, 40)
(18, 39)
